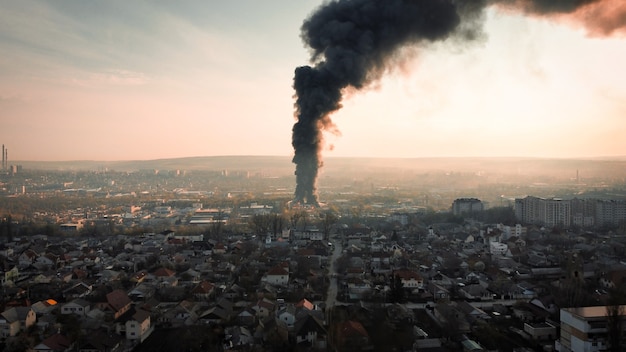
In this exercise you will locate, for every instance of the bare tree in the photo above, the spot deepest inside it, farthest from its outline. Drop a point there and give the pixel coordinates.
(296, 217)
(328, 220)
(260, 224)
(277, 222)
(614, 315)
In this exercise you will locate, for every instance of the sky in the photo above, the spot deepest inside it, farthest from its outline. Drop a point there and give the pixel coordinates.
(142, 80)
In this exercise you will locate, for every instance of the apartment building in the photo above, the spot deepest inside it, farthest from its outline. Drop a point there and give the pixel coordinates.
(586, 329)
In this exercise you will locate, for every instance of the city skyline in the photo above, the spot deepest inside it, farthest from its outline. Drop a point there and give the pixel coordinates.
(133, 81)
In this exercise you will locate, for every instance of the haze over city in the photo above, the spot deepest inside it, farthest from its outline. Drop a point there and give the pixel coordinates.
(161, 186)
(138, 80)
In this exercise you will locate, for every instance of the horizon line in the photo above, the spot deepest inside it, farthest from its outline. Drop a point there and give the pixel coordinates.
(599, 157)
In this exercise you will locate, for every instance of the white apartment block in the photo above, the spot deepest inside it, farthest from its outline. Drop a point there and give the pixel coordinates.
(585, 329)
(579, 212)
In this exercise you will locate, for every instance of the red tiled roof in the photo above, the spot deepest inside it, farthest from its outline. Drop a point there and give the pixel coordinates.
(277, 270)
(141, 315)
(203, 288)
(407, 274)
(304, 303)
(57, 342)
(352, 328)
(118, 299)
(164, 272)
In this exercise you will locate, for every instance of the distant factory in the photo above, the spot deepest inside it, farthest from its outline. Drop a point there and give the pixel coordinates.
(5, 158)
(13, 169)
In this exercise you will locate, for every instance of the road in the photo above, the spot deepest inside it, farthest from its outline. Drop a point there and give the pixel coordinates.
(331, 294)
(482, 305)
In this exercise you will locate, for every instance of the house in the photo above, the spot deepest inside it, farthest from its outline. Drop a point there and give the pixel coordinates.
(10, 276)
(353, 271)
(204, 290)
(44, 307)
(278, 276)
(614, 279)
(221, 313)
(310, 331)
(135, 324)
(78, 290)
(16, 319)
(234, 292)
(352, 336)
(142, 292)
(410, 279)
(237, 338)
(541, 331)
(181, 314)
(100, 341)
(46, 261)
(219, 248)
(246, 317)
(286, 316)
(214, 315)
(442, 280)
(77, 306)
(305, 304)
(263, 308)
(27, 258)
(439, 292)
(475, 292)
(472, 313)
(117, 303)
(358, 288)
(471, 346)
(546, 303)
(162, 273)
(55, 343)
(427, 344)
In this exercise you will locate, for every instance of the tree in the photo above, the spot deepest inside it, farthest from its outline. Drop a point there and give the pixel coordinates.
(218, 224)
(260, 224)
(328, 220)
(297, 216)
(277, 222)
(397, 289)
(614, 314)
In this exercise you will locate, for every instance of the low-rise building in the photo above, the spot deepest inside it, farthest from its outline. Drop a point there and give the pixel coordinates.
(588, 328)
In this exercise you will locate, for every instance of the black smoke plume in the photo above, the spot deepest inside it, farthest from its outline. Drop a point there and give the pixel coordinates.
(354, 42)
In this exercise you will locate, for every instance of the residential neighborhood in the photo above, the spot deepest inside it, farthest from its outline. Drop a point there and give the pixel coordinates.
(263, 275)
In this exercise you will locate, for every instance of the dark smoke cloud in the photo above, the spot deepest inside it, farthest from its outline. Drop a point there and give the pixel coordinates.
(598, 17)
(354, 42)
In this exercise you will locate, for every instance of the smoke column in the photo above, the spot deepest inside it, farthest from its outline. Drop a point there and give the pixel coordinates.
(353, 43)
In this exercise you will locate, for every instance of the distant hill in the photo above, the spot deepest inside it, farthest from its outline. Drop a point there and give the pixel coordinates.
(591, 167)
(189, 163)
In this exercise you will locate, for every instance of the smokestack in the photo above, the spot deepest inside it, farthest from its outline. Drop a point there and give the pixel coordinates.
(3, 168)
(353, 42)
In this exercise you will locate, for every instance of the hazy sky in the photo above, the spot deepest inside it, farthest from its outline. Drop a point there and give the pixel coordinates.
(125, 80)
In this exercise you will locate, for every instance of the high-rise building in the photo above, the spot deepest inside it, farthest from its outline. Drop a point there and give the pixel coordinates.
(557, 212)
(610, 212)
(467, 206)
(530, 210)
(578, 212)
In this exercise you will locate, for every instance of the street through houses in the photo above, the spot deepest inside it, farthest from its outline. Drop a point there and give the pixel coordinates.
(331, 295)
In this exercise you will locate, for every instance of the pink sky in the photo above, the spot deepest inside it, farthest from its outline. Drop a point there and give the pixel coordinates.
(144, 81)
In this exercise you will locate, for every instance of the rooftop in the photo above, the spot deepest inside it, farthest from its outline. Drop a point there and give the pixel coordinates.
(591, 312)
